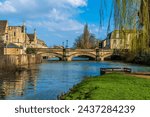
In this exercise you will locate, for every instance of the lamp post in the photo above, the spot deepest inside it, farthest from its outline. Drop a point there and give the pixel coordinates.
(63, 44)
(66, 43)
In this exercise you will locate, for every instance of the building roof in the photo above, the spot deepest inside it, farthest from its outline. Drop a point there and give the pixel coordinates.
(3, 26)
(31, 37)
(41, 41)
(12, 45)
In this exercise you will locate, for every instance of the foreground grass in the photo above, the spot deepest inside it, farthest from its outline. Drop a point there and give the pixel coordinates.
(110, 87)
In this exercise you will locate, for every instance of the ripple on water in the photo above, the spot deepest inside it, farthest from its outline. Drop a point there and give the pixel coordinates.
(48, 80)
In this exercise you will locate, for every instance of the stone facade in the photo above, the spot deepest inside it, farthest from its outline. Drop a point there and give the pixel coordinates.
(41, 44)
(15, 62)
(119, 39)
(3, 30)
(17, 35)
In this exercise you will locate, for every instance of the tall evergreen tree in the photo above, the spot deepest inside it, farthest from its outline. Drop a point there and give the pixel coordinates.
(86, 40)
(86, 36)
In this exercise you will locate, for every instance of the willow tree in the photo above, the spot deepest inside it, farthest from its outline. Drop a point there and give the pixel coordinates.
(144, 15)
(132, 15)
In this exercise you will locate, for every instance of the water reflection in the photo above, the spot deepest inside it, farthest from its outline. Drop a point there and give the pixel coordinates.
(48, 80)
(15, 84)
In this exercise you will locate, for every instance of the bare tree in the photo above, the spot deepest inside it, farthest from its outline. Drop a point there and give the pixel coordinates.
(86, 40)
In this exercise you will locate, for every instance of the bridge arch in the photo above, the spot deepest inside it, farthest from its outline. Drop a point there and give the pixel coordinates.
(52, 55)
(89, 55)
(105, 56)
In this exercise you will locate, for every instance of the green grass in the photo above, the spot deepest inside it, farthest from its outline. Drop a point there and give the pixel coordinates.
(110, 87)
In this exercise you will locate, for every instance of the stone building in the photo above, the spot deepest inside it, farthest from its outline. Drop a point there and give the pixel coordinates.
(41, 44)
(3, 31)
(13, 49)
(16, 35)
(119, 39)
(34, 42)
(15, 38)
(32, 39)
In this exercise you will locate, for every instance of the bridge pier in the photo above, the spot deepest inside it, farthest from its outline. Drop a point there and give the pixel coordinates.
(45, 57)
(65, 55)
(102, 58)
(69, 59)
(97, 55)
(66, 59)
(98, 59)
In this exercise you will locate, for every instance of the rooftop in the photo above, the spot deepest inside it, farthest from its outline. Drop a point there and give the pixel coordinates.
(12, 45)
(31, 37)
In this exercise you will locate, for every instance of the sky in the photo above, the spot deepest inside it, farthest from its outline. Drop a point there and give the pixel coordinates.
(56, 21)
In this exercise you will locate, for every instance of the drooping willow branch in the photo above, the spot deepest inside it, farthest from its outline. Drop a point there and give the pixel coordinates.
(134, 16)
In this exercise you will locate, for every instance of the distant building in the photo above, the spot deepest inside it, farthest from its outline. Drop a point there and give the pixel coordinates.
(33, 40)
(16, 35)
(15, 38)
(119, 39)
(58, 47)
(13, 49)
(41, 44)
(3, 30)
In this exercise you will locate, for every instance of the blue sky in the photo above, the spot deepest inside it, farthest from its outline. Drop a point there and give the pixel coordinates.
(55, 20)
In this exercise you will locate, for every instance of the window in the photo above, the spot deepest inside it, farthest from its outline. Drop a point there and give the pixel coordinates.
(22, 29)
(14, 33)
(114, 42)
(117, 35)
(6, 37)
(121, 41)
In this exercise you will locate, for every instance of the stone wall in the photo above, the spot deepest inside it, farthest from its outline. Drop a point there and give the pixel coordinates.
(15, 62)
(1, 51)
(13, 51)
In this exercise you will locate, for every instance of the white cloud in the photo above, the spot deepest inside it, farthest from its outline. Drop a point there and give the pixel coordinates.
(57, 15)
(7, 6)
(73, 3)
(77, 3)
(54, 26)
(10, 6)
(52, 15)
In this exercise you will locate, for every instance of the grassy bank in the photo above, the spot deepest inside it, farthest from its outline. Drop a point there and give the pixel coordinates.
(110, 87)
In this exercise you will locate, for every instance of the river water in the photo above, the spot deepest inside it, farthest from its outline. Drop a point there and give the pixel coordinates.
(48, 80)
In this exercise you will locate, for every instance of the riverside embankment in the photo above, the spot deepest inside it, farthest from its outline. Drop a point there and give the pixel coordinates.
(9, 63)
(112, 86)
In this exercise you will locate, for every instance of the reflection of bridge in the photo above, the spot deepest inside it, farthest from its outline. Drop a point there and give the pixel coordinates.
(68, 54)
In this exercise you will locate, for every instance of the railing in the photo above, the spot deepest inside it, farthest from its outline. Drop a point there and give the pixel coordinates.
(77, 50)
(110, 70)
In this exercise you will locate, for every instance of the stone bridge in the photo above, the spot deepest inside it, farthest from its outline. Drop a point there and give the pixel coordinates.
(67, 54)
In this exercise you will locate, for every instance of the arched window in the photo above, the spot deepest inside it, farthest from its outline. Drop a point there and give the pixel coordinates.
(14, 33)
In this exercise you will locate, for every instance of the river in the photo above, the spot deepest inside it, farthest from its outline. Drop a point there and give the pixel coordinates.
(48, 80)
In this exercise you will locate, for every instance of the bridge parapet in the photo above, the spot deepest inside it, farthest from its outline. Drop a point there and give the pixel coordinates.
(69, 53)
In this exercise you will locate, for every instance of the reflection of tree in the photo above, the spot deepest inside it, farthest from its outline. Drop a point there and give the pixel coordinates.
(17, 83)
